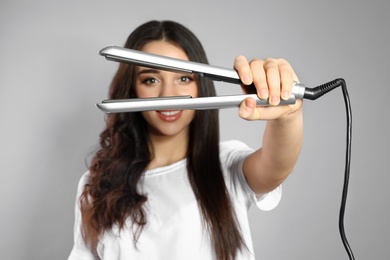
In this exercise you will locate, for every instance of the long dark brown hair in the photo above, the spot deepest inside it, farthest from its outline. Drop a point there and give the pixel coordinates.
(111, 195)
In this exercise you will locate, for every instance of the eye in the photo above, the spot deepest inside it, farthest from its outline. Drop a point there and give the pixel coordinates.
(149, 81)
(185, 79)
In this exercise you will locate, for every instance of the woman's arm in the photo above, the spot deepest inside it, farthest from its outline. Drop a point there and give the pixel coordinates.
(269, 166)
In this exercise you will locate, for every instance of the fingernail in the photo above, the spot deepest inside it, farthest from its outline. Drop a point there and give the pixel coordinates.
(275, 100)
(248, 103)
(247, 80)
(286, 95)
(263, 93)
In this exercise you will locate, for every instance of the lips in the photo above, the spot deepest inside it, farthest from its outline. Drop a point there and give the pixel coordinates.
(169, 116)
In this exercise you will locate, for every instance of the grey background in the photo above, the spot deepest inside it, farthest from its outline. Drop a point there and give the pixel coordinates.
(52, 76)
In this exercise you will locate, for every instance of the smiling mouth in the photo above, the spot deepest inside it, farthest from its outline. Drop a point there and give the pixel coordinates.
(169, 113)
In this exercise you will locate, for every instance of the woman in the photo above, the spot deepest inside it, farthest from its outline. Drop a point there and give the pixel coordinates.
(161, 186)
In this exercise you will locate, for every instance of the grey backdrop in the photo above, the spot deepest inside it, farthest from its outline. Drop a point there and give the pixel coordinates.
(52, 76)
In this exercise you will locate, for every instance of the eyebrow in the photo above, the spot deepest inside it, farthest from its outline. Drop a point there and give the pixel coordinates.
(148, 71)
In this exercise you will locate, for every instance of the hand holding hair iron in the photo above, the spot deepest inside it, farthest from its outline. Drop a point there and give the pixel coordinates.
(149, 60)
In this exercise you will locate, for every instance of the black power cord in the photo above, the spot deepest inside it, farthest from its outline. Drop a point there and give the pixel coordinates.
(313, 94)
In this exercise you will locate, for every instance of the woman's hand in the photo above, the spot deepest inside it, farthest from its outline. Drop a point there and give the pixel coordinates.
(273, 79)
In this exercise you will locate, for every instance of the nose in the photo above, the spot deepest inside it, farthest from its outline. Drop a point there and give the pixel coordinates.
(168, 89)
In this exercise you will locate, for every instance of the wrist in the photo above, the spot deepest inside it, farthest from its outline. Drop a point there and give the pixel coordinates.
(292, 114)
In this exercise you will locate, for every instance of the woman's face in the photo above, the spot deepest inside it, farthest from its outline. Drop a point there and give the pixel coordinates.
(157, 83)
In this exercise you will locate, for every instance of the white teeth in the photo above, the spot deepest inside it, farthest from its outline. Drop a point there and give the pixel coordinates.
(169, 113)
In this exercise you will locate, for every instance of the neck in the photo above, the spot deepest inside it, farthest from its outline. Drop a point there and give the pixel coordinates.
(166, 150)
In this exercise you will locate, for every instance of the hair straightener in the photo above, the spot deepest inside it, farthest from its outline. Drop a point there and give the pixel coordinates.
(144, 59)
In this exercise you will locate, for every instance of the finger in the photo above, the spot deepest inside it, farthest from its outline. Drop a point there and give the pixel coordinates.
(273, 80)
(248, 110)
(259, 78)
(286, 78)
(243, 69)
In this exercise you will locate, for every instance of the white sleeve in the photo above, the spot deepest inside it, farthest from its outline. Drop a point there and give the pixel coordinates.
(269, 200)
(80, 250)
(235, 152)
(266, 201)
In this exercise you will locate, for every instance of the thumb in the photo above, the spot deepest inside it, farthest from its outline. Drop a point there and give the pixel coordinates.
(247, 109)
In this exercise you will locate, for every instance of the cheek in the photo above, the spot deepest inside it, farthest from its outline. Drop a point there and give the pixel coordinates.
(194, 91)
(190, 115)
(148, 116)
(140, 93)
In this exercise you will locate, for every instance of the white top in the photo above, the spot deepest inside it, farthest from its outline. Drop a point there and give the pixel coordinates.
(174, 227)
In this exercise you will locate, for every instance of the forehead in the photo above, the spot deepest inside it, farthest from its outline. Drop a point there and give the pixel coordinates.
(165, 48)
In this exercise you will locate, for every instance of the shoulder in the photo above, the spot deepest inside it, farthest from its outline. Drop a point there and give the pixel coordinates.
(84, 179)
(232, 155)
(232, 144)
(234, 150)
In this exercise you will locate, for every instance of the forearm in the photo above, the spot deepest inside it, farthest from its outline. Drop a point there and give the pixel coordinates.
(282, 142)
(269, 166)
